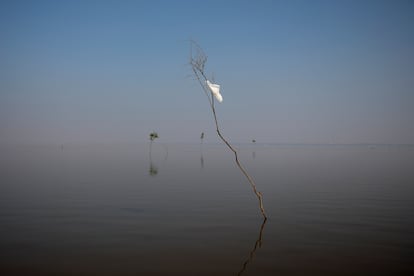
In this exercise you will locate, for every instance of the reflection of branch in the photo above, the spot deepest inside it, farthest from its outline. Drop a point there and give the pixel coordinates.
(153, 170)
(257, 244)
(201, 152)
(197, 62)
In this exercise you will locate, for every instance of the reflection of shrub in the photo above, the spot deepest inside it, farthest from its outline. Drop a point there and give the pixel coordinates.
(153, 170)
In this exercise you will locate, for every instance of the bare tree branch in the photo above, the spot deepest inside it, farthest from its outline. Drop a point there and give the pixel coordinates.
(198, 60)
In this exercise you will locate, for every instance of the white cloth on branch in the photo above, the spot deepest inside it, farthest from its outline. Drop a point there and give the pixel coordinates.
(215, 89)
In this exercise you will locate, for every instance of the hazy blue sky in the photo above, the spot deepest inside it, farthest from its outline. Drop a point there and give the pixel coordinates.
(291, 71)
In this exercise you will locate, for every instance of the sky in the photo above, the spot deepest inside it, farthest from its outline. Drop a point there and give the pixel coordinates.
(290, 71)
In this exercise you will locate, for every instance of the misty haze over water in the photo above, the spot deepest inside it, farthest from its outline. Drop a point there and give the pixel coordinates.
(185, 209)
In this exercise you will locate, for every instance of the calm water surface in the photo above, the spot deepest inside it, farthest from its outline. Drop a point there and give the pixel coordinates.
(187, 210)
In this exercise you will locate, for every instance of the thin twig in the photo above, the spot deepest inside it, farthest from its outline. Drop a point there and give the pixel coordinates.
(197, 64)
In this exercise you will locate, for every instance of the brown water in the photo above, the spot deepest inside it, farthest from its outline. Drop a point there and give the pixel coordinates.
(187, 210)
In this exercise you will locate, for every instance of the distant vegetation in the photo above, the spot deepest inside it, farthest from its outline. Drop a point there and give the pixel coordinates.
(153, 135)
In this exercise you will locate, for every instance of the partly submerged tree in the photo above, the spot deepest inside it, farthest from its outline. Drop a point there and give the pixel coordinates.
(153, 169)
(202, 137)
(153, 135)
(198, 61)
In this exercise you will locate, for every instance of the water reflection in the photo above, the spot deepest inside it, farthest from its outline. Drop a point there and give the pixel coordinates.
(201, 152)
(153, 169)
(202, 161)
(257, 244)
(80, 198)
